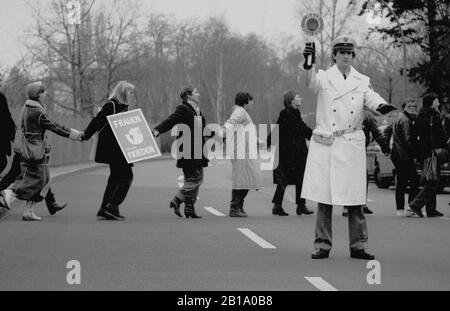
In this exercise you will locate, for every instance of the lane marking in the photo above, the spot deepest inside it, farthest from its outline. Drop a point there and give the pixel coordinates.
(255, 238)
(321, 284)
(370, 200)
(214, 211)
(446, 218)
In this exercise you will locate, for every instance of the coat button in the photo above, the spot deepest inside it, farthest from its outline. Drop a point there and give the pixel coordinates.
(350, 126)
(334, 124)
(334, 110)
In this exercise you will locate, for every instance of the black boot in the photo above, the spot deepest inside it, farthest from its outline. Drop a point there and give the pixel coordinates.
(54, 207)
(175, 204)
(302, 209)
(113, 211)
(189, 211)
(278, 210)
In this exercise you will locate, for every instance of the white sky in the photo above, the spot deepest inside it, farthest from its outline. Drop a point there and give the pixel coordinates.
(268, 17)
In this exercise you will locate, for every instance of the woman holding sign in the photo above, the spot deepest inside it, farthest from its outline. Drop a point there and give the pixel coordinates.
(109, 152)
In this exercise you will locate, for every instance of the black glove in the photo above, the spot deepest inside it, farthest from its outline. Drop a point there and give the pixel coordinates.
(385, 108)
(309, 52)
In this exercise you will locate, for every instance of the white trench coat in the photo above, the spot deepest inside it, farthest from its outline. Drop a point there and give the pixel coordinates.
(246, 169)
(336, 174)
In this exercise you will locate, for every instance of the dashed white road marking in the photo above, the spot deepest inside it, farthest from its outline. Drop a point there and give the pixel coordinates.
(214, 211)
(321, 284)
(370, 200)
(255, 238)
(446, 218)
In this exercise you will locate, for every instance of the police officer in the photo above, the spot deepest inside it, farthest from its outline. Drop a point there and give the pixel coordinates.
(335, 171)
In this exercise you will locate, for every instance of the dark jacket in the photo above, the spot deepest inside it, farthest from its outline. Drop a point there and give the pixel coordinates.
(429, 138)
(7, 126)
(185, 114)
(370, 129)
(35, 122)
(293, 150)
(108, 150)
(404, 137)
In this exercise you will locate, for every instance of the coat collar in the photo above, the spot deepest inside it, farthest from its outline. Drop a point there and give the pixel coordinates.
(34, 104)
(341, 85)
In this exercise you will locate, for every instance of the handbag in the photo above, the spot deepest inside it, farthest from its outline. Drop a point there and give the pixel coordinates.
(33, 147)
(95, 139)
(322, 137)
(430, 164)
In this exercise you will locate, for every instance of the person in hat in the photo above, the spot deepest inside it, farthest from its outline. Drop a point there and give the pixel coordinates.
(35, 151)
(335, 172)
(191, 162)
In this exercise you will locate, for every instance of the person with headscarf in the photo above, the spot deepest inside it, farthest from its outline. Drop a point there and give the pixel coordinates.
(108, 152)
(35, 150)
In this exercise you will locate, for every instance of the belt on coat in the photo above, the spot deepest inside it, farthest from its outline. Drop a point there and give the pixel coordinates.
(347, 131)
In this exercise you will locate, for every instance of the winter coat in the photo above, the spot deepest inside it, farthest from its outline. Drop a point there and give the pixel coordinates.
(108, 149)
(292, 148)
(425, 134)
(35, 122)
(7, 127)
(186, 115)
(404, 137)
(35, 175)
(243, 150)
(336, 174)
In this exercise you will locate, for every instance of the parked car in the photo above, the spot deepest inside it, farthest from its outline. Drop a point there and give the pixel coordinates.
(382, 170)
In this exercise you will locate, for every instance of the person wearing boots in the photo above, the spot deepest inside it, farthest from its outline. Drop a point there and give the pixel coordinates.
(431, 136)
(188, 114)
(108, 152)
(246, 167)
(7, 132)
(335, 172)
(35, 150)
(403, 155)
(292, 154)
(15, 172)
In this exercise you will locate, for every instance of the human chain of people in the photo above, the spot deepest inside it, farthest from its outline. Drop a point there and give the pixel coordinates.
(330, 170)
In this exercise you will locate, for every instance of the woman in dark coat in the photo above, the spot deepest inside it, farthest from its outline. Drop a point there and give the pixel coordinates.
(7, 132)
(431, 135)
(109, 152)
(292, 154)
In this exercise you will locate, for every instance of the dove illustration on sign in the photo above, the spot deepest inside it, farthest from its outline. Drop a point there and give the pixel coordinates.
(135, 136)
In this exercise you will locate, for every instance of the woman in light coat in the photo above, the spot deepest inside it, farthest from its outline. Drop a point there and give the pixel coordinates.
(242, 148)
(31, 185)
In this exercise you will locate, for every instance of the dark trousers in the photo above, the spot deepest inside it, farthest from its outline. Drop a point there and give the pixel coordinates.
(279, 195)
(237, 198)
(119, 182)
(427, 196)
(3, 160)
(193, 179)
(406, 172)
(357, 227)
